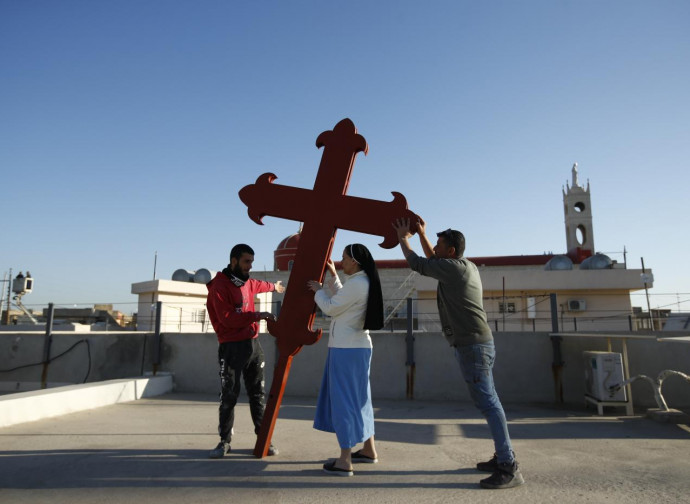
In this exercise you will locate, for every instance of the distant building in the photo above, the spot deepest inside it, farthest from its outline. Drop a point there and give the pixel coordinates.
(96, 318)
(592, 291)
(100, 316)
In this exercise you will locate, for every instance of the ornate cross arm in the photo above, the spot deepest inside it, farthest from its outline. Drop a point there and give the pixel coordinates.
(266, 198)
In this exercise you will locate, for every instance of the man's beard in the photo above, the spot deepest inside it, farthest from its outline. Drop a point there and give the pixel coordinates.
(237, 271)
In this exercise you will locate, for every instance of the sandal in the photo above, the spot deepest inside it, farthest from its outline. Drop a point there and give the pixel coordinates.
(330, 468)
(358, 456)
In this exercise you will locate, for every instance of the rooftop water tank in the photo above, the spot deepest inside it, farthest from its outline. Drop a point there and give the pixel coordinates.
(182, 275)
(559, 263)
(203, 276)
(597, 262)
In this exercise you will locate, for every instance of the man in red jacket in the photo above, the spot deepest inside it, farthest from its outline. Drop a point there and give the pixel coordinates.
(230, 305)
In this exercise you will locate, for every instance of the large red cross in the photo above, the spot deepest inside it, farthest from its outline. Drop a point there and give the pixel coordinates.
(322, 210)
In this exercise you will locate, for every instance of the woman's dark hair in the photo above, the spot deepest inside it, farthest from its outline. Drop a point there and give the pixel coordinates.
(361, 255)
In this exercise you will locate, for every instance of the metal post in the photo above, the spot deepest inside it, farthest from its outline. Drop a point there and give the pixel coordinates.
(157, 338)
(626, 375)
(505, 307)
(409, 340)
(554, 312)
(9, 296)
(47, 343)
(2, 291)
(557, 364)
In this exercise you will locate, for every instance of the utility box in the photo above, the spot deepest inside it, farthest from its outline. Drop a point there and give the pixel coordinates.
(602, 370)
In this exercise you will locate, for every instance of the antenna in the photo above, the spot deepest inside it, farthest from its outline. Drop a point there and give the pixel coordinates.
(155, 260)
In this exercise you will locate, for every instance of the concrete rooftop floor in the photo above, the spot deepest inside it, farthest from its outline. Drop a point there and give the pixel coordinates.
(155, 450)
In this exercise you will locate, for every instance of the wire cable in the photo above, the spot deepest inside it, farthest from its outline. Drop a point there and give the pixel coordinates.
(88, 352)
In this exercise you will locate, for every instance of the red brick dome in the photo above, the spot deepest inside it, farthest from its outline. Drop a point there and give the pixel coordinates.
(284, 254)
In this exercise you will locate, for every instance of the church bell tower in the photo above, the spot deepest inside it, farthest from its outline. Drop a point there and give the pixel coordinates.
(578, 220)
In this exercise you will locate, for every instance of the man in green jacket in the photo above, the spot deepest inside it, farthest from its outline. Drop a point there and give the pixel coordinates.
(465, 326)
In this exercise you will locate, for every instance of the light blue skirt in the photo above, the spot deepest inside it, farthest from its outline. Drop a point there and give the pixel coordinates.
(344, 404)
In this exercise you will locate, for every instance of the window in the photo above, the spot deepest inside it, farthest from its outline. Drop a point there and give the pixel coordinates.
(506, 307)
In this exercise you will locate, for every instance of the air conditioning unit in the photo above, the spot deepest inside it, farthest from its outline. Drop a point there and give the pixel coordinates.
(577, 305)
(603, 370)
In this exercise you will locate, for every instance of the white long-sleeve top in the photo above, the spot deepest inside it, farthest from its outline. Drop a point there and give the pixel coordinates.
(347, 307)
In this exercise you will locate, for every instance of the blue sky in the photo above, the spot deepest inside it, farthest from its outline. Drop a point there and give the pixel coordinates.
(128, 127)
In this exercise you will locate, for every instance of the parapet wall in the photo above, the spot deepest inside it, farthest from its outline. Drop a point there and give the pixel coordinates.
(523, 370)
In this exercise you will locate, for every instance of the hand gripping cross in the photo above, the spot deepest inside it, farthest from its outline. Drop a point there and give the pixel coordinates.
(322, 210)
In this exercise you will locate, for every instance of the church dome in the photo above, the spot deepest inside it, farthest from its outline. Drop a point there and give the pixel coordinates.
(596, 262)
(284, 254)
(559, 263)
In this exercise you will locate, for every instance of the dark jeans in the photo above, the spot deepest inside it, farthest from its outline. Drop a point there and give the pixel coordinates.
(240, 358)
(476, 363)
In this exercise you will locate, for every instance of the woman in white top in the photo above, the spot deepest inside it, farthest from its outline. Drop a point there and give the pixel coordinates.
(344, 404)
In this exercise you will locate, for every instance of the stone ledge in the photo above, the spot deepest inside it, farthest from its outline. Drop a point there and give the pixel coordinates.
(39, 404)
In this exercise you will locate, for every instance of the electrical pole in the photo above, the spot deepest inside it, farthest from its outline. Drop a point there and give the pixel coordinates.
(645, 277)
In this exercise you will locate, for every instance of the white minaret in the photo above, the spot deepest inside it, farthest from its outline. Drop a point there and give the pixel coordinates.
(577, 206)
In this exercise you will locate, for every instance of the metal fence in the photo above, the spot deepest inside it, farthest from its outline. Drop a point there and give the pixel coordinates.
(506, 313)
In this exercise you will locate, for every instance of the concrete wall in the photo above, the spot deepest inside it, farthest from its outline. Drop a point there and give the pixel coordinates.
(94, 356)
(523, 370)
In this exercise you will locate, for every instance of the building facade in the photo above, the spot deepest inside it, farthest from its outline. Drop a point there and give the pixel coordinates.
(580, 289)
